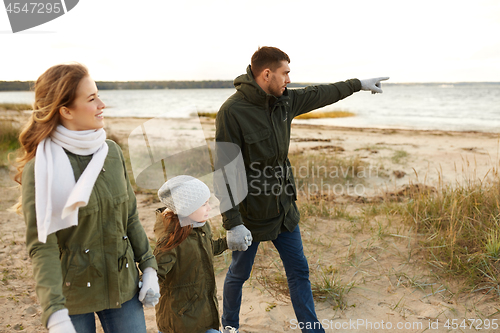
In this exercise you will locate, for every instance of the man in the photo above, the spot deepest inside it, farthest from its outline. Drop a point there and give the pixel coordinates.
(258, 119)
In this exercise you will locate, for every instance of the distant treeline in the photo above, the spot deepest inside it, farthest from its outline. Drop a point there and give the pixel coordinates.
(130, 85)
(16, 85)
(108, 85)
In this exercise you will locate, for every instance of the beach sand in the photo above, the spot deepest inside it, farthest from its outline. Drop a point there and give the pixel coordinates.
(385, 284)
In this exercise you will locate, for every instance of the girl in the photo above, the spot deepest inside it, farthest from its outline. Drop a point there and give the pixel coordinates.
(184, 252)
(83, 231)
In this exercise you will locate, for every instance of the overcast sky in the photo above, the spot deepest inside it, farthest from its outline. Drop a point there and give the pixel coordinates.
(410, 41)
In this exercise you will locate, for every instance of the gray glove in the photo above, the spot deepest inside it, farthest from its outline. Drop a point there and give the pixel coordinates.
(239, 238)
(373, 85)
(149, 294)
(151, 298)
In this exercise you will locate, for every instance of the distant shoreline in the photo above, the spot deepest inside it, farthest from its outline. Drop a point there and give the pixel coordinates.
(206, 84)
(21, 116)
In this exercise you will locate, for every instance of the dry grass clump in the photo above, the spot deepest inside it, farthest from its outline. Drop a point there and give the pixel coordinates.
(461, 231)
(327, 114)
(326, 282)
(309, 115)
(15, 106)
(9, 134)
(210, 115)
(314, 168)
(320, 178)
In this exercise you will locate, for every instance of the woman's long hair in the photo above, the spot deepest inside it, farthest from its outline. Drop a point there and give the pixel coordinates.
(54, 89)
(175, 234)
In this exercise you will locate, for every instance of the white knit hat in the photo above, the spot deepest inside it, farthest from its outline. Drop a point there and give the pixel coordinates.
(184, 195)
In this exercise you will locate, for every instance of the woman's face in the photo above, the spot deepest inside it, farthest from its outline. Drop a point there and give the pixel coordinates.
(86, 112)
(201, 214)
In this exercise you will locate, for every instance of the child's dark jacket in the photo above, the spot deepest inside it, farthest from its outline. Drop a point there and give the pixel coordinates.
(188, 301)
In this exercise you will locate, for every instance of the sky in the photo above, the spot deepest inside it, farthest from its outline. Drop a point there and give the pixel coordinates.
(327, 41)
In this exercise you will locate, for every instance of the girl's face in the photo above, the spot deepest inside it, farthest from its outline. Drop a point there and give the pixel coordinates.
(201, 214)
(86, 112)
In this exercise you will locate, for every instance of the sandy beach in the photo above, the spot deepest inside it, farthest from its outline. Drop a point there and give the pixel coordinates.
(385, 283)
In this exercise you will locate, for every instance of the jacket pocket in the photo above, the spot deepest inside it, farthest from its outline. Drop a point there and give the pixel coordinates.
(79, 276)
(259, 145)
(118, 199)
(188, 305)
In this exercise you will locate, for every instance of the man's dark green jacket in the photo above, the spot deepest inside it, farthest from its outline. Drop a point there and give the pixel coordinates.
(260, 124)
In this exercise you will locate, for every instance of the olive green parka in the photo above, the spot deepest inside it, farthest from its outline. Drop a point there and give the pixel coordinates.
(260, 124)
(92, 266)
(188, 301)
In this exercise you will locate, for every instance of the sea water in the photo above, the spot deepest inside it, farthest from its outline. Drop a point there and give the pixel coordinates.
(451, 106)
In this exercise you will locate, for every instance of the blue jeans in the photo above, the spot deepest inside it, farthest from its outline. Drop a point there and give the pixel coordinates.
(289, 246)
(128, 318)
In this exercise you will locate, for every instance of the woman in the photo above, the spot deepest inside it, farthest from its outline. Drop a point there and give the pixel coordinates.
(83, 231)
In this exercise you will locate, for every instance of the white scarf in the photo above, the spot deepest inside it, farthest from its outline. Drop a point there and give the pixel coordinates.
(57, 197)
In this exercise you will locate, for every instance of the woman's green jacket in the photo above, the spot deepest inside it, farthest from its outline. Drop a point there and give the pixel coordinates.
(92, 266)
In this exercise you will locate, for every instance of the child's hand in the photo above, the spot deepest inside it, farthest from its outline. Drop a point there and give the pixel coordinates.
(151, 298)
(60, 322)
(239, 238)
(149, 294)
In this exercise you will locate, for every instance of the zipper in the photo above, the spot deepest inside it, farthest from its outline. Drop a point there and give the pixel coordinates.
(278, 151)
(274, 131)
(106, 284)
(82, 169)
(206, 243)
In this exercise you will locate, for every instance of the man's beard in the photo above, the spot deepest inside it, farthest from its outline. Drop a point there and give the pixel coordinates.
(276, 92)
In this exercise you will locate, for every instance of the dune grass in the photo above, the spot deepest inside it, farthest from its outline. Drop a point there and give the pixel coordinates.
(210, 115)
(452, 233)
(460, 228)
(9, 134)
(326, 281)
(327, 168)
(399, 156)
(309, 115)
(326, 114)
(15, 106)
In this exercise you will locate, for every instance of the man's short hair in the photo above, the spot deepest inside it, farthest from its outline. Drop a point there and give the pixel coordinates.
(267, 57)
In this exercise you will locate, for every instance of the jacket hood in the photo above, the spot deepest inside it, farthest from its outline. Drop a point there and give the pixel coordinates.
(247, 85)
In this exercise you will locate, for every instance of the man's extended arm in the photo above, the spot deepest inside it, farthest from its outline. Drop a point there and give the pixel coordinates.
(314, 97)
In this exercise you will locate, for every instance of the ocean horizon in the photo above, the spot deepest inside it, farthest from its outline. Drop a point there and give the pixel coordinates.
(457, 106)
